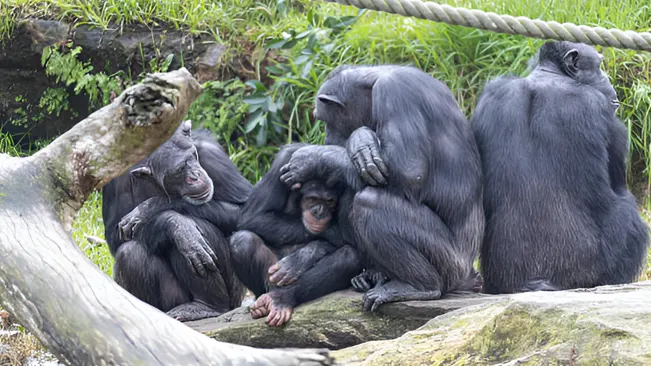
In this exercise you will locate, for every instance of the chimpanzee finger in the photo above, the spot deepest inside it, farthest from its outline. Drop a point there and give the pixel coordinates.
(360, 284)
(358, 161)
(372, 169)
(272, 316)
(284, 169)
(273, 268)
(286, 316)
(213, 258)
(379, 301)
(208, 263)
(195, 265)
(288, 178)
(368, 302)
(377, 159)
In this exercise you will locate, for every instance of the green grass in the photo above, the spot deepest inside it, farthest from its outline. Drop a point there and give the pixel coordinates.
(462, 58)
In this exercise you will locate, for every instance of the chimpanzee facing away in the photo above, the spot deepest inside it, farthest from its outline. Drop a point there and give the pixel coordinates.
(419, 221)
(290, 248)
(559, 214)
(184, 201)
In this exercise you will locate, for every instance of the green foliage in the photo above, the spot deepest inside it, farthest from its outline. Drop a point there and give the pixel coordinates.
(67, 69)
(7, 145)
(54, 100)
(89, 223)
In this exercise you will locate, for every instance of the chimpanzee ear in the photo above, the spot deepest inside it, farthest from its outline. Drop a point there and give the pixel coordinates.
(330, 99)
(141, 172)
(571, 61)
(186, 127)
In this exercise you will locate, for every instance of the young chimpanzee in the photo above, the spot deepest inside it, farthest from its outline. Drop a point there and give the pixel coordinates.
(419, 219)
(559, 214)
(290, 248)
(171, 250)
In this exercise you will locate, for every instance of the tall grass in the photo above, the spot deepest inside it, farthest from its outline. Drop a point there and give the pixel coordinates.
(463, 58)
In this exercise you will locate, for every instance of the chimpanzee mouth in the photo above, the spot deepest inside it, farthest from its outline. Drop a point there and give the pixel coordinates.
(200, 198)
(615, 102)
(314, 225)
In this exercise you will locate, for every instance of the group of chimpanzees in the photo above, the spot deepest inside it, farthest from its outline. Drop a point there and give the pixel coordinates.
(399, 201)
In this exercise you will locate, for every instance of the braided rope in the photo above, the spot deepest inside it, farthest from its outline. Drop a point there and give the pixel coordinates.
(507, 24)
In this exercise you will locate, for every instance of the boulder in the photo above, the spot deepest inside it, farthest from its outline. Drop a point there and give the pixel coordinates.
(334, 321)
(602, 326)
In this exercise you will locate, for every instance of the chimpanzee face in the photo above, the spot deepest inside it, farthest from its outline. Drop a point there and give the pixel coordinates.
(175, 167)
(318, 203)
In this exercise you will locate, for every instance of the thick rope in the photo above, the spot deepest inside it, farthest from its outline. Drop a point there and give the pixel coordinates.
(507, 24)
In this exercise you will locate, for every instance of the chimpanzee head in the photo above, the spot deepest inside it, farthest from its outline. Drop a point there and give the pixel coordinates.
(175, 168)
(580, 62)
(318, 203)
(344, 102)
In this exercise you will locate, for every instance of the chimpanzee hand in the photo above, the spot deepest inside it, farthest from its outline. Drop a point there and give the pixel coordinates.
(301, 167)
(129, 223)
(193, 247)
(363, 149)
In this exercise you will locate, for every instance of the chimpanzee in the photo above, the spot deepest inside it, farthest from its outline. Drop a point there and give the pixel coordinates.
(558, 212)
(417, 212)
(184, 201)
(290, 248)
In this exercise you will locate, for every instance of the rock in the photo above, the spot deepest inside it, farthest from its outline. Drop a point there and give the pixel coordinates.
(24, 82)
(334, 321)
(602, 326)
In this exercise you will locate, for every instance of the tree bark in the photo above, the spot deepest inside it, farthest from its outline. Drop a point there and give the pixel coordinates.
(79, 313)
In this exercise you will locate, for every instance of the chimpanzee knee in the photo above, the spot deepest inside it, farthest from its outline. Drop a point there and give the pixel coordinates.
(147, 277)
(366, 199)
(251, 260)
(243, 244)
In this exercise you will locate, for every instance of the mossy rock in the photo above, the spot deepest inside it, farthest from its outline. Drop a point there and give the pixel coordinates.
(334, 321)
(602, 326)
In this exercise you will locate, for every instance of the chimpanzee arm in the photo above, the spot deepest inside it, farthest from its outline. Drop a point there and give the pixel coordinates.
(617, 151)
(264, 212)
(173, 228)
(327, 163)
(221, 214)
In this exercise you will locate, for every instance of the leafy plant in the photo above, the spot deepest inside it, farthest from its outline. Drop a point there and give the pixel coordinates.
(264, 111)
(70, 71)
(296, 80)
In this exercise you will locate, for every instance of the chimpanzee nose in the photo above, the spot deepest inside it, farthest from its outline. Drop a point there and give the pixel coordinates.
(318, 212)
(191, 179)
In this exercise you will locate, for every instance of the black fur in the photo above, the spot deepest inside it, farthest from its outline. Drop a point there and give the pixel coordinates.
(271, 230)
(417, 213)
(559, 214)
(169, 239)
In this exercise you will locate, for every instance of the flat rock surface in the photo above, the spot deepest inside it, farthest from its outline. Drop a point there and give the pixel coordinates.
(602, 326)
(334, 321)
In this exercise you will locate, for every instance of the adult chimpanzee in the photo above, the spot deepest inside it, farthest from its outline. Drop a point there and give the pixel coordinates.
(421, 231)
(290, 248)
(185, 199)
(559, 214)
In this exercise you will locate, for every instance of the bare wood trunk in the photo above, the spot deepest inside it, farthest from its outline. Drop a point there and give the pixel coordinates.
(79, 313)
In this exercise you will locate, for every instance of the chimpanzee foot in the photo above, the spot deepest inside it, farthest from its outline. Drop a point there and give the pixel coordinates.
(368, 279)
(538, 285)
(394, 291)
(193, 311)
(261, 307)
(270, 304)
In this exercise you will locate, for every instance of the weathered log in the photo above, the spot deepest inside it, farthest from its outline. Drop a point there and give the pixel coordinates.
(79, 313)
(334, 321)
